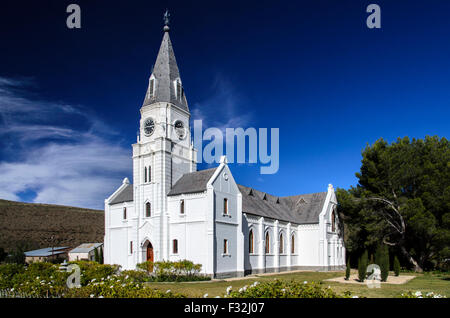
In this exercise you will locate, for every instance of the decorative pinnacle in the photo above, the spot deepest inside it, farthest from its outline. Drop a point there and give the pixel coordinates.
(166, 20)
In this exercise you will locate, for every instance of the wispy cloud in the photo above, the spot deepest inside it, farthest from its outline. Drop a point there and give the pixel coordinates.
(62, 153)
(225, 108)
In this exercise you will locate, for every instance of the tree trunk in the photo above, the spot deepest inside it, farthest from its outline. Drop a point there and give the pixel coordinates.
(408, 256)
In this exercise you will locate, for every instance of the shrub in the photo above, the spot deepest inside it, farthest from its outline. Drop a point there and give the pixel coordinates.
(282, 289)
(93, 270)
(179, 271)
(146, 266)
(419, 294)
(347, 269)
(96, 256)
(384, 263)
(362, 267)
(396, 266)
(118, 286)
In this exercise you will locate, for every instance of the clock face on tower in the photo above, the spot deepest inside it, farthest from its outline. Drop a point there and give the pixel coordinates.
(149, 126)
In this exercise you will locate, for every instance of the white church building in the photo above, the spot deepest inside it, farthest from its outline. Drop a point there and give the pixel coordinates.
(171, 211)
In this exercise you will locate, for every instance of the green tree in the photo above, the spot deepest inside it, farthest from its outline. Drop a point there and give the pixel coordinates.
(396, 266)
(402, 199)
(96, 256)
(101, 260)
(384, 262)
(362, 266)
(347, 270)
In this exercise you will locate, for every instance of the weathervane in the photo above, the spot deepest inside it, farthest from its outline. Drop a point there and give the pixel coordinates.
(166, 20)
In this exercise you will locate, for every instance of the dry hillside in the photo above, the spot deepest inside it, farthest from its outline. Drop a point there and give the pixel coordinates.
(35, 224)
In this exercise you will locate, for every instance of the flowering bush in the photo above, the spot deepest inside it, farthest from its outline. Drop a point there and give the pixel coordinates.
(167, 271)
(283, 289)
(37, 279)
(97, 280)
(419, 294)
(118, 286)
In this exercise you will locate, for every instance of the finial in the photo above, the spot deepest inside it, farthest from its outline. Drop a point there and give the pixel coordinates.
(166, 20)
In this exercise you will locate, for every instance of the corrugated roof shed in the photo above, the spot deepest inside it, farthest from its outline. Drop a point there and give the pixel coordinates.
(86, 247)
(48, 251)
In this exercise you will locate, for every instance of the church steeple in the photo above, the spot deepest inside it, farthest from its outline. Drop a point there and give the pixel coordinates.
(165, 83)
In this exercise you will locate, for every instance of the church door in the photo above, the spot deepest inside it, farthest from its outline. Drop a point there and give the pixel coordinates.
(150, 256)
(149, 252)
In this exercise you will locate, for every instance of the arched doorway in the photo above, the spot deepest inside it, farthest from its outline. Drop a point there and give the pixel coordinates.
(149, 251)
(148, 255)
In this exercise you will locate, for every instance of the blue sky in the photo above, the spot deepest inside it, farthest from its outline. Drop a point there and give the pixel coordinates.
(70, 99)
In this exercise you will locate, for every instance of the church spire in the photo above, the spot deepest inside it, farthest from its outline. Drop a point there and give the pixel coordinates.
(165, 83)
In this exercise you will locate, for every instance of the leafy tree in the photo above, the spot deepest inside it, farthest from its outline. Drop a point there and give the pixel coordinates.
(362, 266)
(384, 262)
(347, 270)
(96, 256)
(402, 199)
(396, 266)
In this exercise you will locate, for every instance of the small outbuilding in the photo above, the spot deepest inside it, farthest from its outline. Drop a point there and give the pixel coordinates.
(47, 254)
(85, 251)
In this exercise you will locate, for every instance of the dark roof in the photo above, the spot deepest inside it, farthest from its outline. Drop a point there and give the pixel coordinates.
(299, 209)
(125, 195)
(166, 72)
(48, 251)
(192, 182)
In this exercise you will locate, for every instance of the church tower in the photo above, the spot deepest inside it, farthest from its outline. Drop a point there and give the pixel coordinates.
(162, 154)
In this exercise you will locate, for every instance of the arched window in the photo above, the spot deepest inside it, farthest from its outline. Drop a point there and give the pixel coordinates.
(225, 246)
(267, 249)
(124, 213)
(175, 246)
(145, 174)
(149, 173)
(293, 244)
(225, 206)
(182, 206)
(152, 88)
(179, 91)
(250, 242)
(281, 247)
(333, 221)
(148, 209)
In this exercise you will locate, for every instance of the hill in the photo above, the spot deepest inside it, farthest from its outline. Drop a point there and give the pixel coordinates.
(33, 225)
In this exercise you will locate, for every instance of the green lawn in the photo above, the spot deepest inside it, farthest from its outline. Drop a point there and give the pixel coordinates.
(438, 283)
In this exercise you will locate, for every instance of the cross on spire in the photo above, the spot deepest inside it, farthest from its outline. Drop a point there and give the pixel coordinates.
(166, 19)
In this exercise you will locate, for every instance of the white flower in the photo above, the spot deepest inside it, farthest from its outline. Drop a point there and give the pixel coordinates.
(305, 282)
(229, 289)
(167, 291)
(12, 289)
(418, 293)
(100, 296)
(255, 284)
(205, 295)
(241, 290)
(244, 288)
(355, 296)
(93, 280)
(283, 290)
(91, 295)
(126, 277)
(217, 297)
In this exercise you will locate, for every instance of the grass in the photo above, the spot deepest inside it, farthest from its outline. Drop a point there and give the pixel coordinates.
(438, 283)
